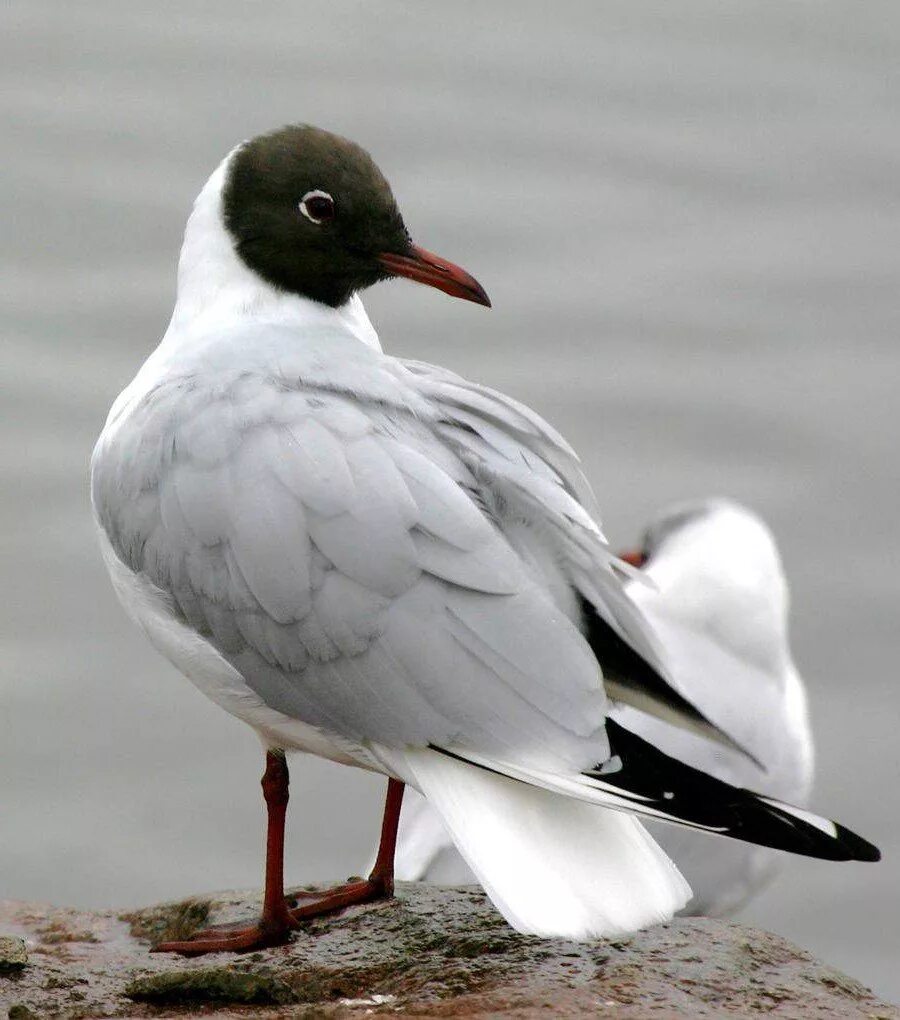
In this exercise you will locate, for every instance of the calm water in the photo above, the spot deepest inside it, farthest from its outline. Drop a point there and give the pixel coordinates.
(687, 217)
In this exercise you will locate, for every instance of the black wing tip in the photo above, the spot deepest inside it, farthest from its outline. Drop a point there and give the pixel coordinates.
(809, 841)
(686, 795)
(794, 833)
(858, 849)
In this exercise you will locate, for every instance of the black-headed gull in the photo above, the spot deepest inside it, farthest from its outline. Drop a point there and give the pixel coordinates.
(719, 603)
(379, 562)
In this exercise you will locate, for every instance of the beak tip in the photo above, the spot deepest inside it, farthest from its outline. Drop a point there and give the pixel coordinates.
(425, 267)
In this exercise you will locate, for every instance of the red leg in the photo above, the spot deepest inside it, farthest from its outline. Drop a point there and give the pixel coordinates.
(379, 884)
(384, 861)
(276, 922)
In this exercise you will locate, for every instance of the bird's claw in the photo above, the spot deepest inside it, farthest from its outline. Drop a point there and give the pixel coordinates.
(328, 901)
(276, 931)
(233, 938)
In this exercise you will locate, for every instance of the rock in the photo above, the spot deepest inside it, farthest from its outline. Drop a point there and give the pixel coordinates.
(20, 1012)
(13, 954)
(430, 952)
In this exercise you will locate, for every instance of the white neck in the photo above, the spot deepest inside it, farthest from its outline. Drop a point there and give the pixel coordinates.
(214, 285)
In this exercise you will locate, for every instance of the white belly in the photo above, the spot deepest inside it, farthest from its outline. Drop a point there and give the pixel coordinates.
(151, 608)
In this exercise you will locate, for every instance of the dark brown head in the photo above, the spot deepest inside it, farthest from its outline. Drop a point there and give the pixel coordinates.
(312, 214)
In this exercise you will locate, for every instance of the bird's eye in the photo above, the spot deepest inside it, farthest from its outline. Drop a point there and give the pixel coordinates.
(317, 206)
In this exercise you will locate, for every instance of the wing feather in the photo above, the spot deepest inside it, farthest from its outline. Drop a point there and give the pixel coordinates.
(366, 551)
(270, 544)
(202, 495)
(311, 461)
(443, 508)
(491, 569)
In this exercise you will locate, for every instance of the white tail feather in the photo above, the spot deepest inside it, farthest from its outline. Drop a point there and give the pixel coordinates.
(422, 844)
(552, 865)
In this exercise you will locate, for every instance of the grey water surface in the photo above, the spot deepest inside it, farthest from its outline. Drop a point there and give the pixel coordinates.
(687, 216)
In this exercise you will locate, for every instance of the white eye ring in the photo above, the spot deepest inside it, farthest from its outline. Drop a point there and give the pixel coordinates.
(316, 194)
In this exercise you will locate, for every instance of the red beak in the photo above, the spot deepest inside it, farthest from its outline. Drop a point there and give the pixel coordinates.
(424, 267)
(633, 556)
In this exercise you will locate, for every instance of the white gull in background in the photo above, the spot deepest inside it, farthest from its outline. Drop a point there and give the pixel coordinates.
(719, 604)
(379, 562)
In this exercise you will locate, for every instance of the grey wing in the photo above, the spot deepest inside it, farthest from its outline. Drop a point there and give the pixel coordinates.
(339, 556)
(535, 476)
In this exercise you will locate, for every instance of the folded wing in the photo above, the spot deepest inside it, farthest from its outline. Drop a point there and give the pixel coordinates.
(533, 475)
(340, 554)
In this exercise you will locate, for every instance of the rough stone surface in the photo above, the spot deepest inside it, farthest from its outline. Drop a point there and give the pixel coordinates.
(13, 954)
(430, 952)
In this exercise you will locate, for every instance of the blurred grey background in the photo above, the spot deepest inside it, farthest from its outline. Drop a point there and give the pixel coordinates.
(687, 217)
